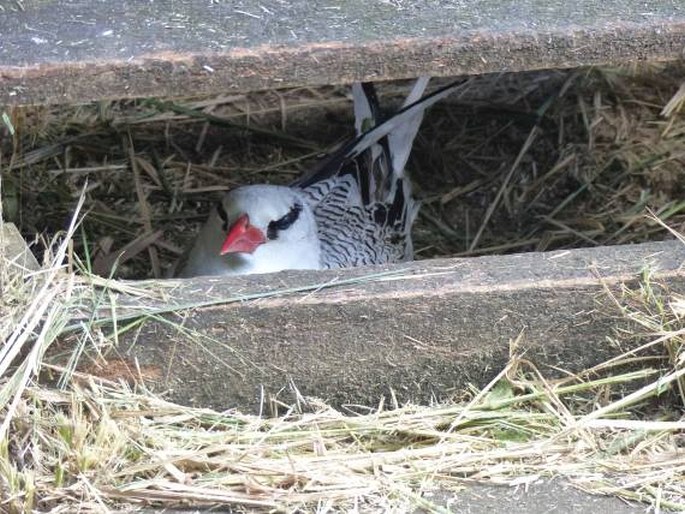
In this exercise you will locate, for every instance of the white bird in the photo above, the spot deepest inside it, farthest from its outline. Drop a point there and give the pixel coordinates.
(356, 208)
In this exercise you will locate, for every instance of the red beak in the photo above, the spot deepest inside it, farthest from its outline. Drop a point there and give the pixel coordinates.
(242, 237)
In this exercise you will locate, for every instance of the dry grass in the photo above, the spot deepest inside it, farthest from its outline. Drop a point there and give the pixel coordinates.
(563, 159)
(93, 444)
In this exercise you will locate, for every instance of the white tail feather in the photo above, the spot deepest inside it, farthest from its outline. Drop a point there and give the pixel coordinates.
(400, 140)
(362, 110)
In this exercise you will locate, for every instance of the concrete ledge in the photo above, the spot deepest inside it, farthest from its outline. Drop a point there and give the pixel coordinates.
(420, 332)
(74, 52)
(542, 497)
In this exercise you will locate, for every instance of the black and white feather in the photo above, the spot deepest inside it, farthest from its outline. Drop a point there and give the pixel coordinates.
(362, 199)
(355, 208)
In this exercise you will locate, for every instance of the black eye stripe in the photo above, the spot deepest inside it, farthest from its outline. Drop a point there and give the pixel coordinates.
(283, 223)
(223, 215)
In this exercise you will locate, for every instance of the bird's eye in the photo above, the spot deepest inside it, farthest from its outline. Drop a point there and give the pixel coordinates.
(223, 215)
(283, 223)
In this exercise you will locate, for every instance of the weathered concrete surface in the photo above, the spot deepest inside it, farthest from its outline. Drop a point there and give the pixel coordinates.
(421, 333)
(545, 497)
(72, 51)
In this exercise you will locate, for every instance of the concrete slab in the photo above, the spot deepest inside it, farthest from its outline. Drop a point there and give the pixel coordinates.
(418, 331)
(545, 497)
(72, 51)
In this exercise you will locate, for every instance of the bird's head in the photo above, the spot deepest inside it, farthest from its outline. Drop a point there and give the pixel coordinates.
(256, 229)
(253, 217)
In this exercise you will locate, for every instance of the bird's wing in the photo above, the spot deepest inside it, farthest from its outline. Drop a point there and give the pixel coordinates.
(361, 198)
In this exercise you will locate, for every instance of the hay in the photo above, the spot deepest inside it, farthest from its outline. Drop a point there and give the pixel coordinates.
(515, 162)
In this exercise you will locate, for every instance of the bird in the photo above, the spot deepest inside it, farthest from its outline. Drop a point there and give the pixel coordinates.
(355, 208)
